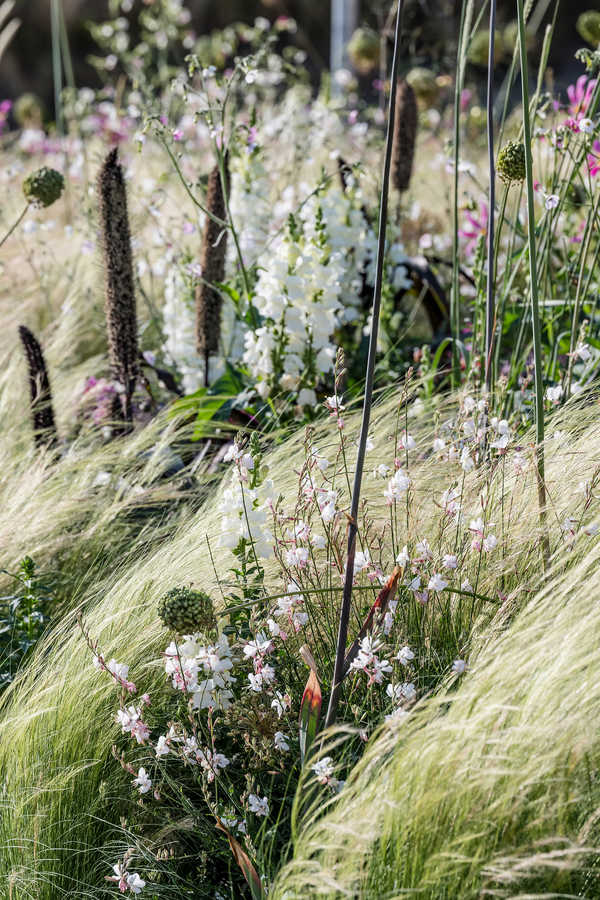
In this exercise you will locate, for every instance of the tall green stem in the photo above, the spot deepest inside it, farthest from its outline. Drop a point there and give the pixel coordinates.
(533, 277)
(490, 305)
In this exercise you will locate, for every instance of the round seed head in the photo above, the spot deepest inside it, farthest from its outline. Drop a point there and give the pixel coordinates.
(511, 162)
(186, 611)
(43, 187)
(588, 26)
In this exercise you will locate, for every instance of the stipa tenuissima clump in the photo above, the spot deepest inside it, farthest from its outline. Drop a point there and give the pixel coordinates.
(405, 135)
(214, 250)
(120, 306)
(186, 611)
(42, 414)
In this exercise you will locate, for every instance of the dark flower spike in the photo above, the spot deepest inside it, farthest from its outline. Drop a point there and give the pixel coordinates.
(405, 136)
(120, 308)
(40, 394)
(214, 251)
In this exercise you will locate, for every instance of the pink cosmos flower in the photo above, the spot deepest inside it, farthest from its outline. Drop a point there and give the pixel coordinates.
(475, 226)
(580, 96)
(593, 159)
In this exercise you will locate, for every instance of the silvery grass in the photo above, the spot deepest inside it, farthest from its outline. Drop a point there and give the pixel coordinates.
(60, 787)
(487, 788)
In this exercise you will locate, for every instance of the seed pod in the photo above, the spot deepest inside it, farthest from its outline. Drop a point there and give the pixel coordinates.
(43, 187)
(405, 136)
(214, 249)
(42, 414)
(510, 164)
(119, 305)
(186, 611)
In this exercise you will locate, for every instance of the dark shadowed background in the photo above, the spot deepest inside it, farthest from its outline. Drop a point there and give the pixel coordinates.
(26, 66)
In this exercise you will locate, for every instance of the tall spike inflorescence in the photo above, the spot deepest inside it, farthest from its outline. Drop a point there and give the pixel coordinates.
(214, 249)
(42, 414)
(405, 136)
(121, 322)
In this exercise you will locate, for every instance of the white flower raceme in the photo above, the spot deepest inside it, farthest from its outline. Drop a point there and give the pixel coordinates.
(245, 513)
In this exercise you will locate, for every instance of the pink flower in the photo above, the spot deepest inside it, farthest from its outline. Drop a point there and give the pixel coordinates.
(580, 95)
(475, 226)
(593, 159)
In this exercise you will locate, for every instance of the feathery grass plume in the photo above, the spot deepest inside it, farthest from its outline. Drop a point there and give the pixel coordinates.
(61, 790)
(40, 393)
(405, 136)
(214, 251)
(120, 309)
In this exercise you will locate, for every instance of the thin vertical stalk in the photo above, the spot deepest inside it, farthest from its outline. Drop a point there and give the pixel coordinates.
(490, 305)
(466, 16)
(342, 639)
(56, 64)
(535, 314)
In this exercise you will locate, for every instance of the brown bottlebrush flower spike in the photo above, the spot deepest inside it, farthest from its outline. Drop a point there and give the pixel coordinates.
(121, 321)
(405, 136)
(214, 249)
(42, 414)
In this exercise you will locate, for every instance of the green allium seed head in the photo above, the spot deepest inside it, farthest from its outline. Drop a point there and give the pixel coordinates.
(28, 111)
(186, 611)
(511, 162)
(44, 187)
(424, 84)
(364, 50)
(588, 26)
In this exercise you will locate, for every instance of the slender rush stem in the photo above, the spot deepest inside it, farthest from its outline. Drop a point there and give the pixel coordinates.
(338, 672)
(490, 306)
(535, 314)
(14, 225)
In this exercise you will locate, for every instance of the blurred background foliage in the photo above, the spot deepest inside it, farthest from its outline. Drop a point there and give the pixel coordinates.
(26, 66)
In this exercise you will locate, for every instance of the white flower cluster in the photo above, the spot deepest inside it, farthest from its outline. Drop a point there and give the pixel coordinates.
(187, 662)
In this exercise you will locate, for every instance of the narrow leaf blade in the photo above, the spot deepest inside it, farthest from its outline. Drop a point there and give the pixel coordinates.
(245, 864)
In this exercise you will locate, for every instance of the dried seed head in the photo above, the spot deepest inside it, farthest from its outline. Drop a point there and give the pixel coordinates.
(405, 136)
(43, 187)
(121, 322)
(40, 394)
(511, 162)
(214, 250)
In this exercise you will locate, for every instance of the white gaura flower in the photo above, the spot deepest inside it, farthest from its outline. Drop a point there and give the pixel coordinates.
(450, 561)
(397, 487)
(459, 666)
(281, 742)
(554, 393)
(405, 655)
(437, 583)
(143, 782)
(403, 557)
(257, 805)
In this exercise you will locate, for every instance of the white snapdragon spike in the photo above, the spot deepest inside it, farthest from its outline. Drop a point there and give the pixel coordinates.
(258, 805)
(245, 515)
